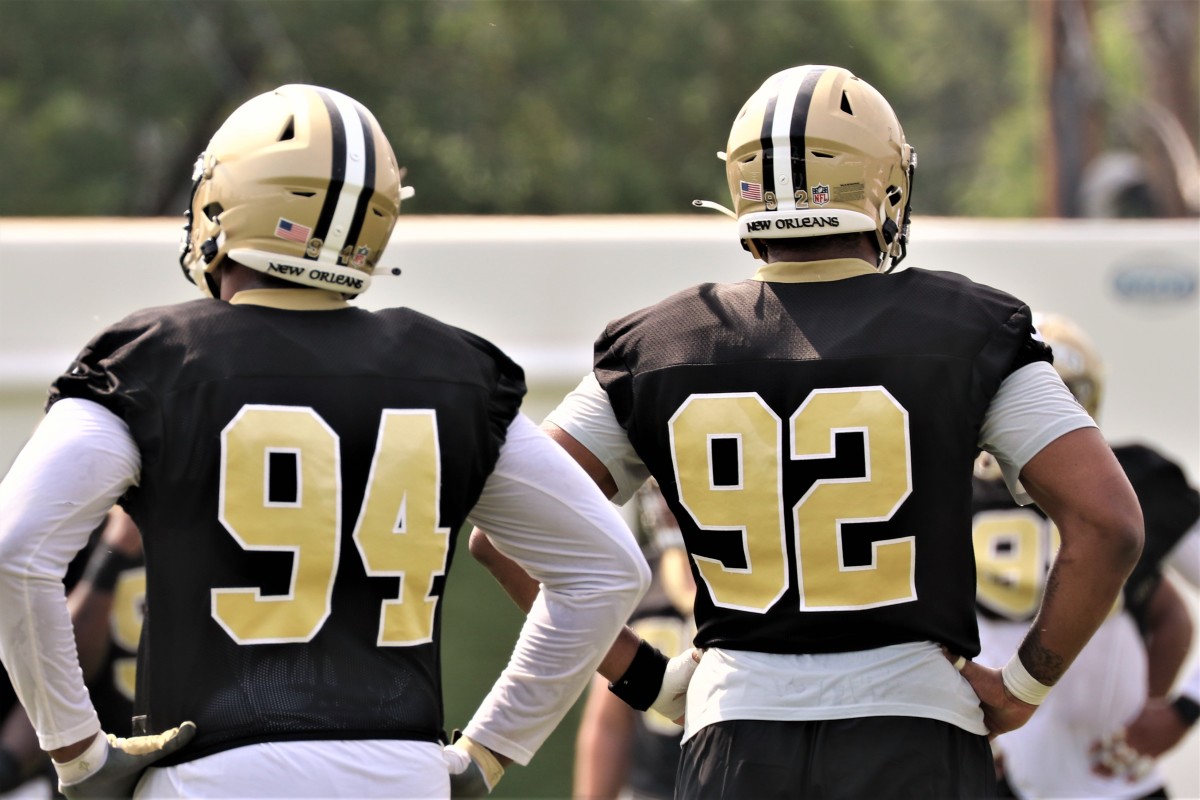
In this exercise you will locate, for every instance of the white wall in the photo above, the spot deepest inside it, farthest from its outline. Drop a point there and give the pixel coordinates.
(542, 288)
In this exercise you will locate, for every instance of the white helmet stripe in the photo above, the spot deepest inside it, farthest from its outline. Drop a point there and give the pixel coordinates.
(354, 170)
(781, 137)
(786, 124)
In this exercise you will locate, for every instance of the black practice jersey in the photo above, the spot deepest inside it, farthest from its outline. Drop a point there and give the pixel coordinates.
(815, 443)
(303, 476)
(1015, 546)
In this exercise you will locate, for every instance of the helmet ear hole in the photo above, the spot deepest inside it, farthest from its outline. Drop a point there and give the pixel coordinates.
(894, 195)
(289, 130)
(212, 211)
(846, 107)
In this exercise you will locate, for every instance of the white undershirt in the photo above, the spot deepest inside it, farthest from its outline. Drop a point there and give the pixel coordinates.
(538, 506)
(1030, 410)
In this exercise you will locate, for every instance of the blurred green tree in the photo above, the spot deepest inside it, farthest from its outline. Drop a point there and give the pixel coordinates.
(497, 106)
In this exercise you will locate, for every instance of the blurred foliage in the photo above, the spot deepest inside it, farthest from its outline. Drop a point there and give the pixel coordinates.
(511, 106)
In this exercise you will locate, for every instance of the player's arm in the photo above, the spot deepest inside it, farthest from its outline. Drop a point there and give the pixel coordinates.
(1080, 485)
(547, 515)
(639, 674)
(1040, 435)
(602, 744)
(643, 685)
(1159, 727)
(89, 603)
(80, 459)
(1168, 635)
(1161, 723)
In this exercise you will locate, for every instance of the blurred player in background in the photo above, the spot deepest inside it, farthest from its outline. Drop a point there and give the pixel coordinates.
(813, 430)
(620, 752)
(1134, 658)
(300, 469)
(1157, 729)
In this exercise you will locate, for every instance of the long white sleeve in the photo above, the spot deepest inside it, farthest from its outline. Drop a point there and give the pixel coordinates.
(543, 511)
(78, 462)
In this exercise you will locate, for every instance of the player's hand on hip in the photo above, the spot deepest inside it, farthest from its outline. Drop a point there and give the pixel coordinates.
(111, 766)
(1131, 751)
(1002, 712)
(672, 697)
(474, 770)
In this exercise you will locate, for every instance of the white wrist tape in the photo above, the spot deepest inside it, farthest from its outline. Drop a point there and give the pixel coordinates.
(1021, 684)
(84, 765)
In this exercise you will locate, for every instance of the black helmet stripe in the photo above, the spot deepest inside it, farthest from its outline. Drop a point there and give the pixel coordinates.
(784, 127)
(368, 189)
(352, 175)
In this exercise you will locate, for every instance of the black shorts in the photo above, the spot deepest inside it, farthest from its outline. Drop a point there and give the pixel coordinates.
(868, 757)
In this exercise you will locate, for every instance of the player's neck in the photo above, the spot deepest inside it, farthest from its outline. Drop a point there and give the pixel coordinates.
(236, 278)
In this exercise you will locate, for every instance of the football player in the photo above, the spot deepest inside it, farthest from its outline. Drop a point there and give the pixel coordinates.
(1071, 747)
(299, 468)
(813, 430)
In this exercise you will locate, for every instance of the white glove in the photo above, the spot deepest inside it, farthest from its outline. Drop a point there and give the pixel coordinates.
(111, 767)
(474, 770)
(672, 697)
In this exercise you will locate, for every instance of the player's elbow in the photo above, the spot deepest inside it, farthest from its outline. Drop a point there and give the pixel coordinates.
(1120, 531)
(634, 577)
(481, 547)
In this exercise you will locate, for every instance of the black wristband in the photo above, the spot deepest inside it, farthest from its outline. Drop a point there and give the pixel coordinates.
(106, 566)
(642, 681)
(1187, 709)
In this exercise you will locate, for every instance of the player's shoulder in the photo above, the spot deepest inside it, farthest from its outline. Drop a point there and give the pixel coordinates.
(947, 283)
(685, 307)
(447, 341)
(173, 313)
(156, 324)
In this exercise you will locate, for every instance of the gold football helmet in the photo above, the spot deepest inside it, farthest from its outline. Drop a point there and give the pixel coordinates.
(818, 151)
(1075, 358)
(300, 183)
